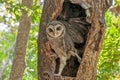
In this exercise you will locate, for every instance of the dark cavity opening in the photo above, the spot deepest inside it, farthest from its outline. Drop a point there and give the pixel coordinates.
(69, 11)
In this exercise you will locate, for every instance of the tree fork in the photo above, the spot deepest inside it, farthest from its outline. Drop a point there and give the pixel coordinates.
(87, 68)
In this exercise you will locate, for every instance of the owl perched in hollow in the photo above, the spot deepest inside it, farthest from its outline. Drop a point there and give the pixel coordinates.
(60, 35)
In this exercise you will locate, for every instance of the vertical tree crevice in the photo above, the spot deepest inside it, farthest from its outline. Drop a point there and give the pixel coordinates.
(72, 12)
(75, 15)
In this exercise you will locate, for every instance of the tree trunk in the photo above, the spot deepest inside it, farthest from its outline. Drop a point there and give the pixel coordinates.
(66, 10)
(18, 66)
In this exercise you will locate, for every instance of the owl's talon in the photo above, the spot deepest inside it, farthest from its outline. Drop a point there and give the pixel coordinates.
(57, 74)
(79, 60)
(54, 56)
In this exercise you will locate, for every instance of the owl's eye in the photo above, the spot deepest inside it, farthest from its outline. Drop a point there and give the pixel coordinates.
(58, 28)
(50, 30)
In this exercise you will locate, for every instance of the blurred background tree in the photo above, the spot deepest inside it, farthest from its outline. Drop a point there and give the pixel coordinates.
(10, 12)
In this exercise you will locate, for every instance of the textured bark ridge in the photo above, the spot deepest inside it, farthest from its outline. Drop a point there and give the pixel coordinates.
(72, 12)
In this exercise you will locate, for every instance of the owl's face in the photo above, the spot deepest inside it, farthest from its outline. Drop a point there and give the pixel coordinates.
(55, 29)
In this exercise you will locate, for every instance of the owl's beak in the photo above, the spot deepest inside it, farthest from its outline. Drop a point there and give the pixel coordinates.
(55, 34)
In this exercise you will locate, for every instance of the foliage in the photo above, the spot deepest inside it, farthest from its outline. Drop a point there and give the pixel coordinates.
(109, 60)
(31, 56)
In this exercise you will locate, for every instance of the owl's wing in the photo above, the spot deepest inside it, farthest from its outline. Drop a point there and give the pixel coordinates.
(75, 34)
(77, 29)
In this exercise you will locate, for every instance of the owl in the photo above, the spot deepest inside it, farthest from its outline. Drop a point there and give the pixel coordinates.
(61, 39)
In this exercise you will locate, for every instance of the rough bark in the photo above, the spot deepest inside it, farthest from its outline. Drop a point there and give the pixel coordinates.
(18, 65)
(45, 69)
(87, 69)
